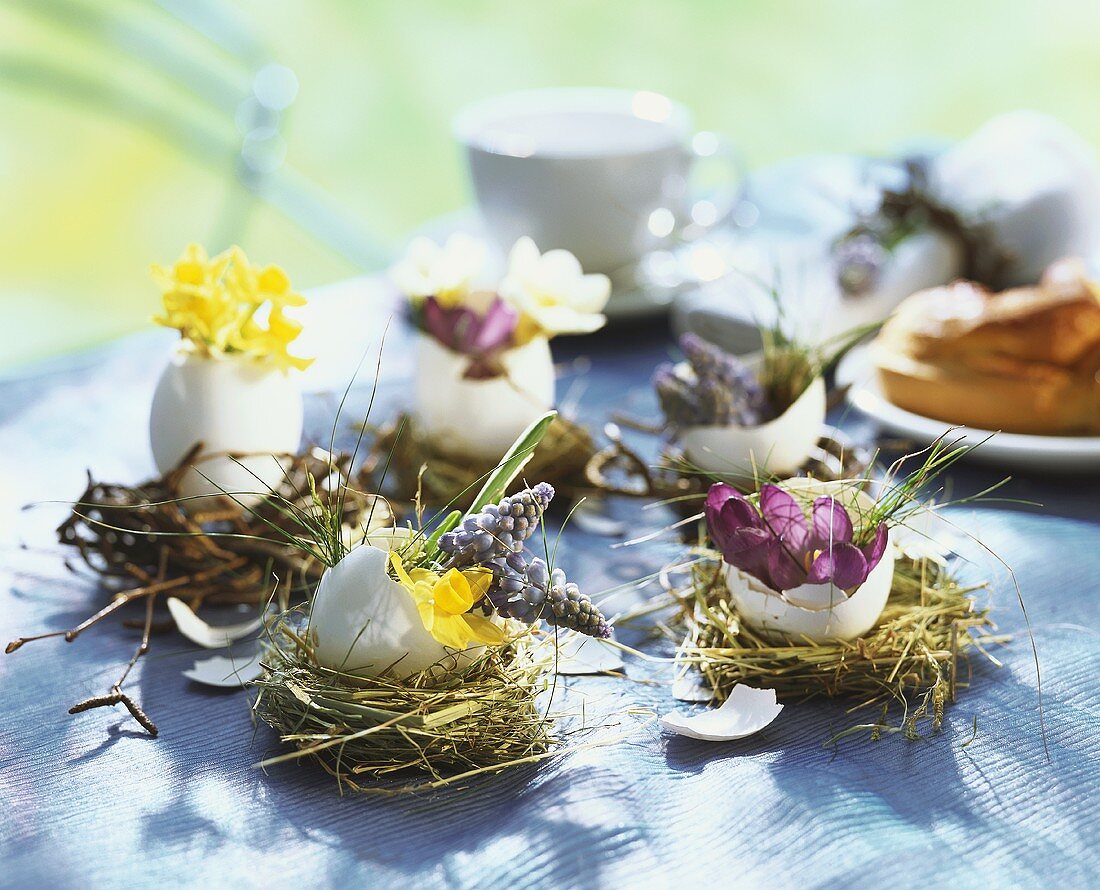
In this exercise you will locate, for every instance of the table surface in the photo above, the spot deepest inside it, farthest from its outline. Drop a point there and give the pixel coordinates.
(91, 801)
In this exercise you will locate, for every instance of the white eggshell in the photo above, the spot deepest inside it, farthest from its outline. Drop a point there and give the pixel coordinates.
(744, 712)
(366, 623)
(226, 673)
(779, 446)
(230, 404)
(579, 654)
(481, 418)
(209, 636)
(818, 612)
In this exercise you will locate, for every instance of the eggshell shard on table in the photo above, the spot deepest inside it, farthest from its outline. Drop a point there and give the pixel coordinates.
(782, 445)
(226, 673)
(209, 636)
(746, 711)
(580, 654)
(481, 418)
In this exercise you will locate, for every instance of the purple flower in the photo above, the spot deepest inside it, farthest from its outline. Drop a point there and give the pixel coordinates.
(480, 335)
(777, 544)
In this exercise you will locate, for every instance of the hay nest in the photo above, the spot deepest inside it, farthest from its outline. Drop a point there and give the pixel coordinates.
(411, 464)
(213, 550)
(441, 726)
(911, 658)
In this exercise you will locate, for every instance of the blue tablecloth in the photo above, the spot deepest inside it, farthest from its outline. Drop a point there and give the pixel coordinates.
(91, 801)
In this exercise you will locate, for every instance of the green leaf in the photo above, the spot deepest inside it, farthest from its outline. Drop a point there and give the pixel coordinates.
(522, 450)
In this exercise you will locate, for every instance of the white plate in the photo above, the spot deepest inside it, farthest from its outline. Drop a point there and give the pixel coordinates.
(1059, 453)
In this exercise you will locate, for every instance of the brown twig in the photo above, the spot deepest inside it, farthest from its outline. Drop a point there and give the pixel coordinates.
(211, 551)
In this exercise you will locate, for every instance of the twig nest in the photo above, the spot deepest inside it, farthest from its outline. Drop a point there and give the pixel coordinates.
(782, 445)
(366, 623)
(231, 404)
(816, 612)
(480, 417)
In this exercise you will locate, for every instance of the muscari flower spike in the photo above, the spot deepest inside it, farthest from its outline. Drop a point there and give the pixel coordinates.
(522, 588)
(719, 391)
(778, 545)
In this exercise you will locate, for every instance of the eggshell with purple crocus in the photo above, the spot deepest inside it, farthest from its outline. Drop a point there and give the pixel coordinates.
(815, 612)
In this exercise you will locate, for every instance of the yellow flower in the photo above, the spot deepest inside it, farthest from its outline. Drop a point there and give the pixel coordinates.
(226, 305)
(444, 604)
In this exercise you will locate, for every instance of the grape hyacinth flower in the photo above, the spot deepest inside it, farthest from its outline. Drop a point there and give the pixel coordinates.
(499, 529)
(718, 390)
(528, 590)
(776, 543)
(480, 335)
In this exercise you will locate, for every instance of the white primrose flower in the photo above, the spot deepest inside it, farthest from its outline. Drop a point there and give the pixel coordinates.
(552, 290)
(449, 273)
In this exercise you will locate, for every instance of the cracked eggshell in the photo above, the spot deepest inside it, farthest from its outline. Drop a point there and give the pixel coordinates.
(744, 712)
(779, 446)
(366, 623)
(579, 654)
(481, 418)
(230, 403)
(819, 612)
(209, 636)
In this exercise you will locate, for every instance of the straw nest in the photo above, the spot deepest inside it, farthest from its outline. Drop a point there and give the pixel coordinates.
(382, 735)
(915, 658)
(212, 550)
(415, 466)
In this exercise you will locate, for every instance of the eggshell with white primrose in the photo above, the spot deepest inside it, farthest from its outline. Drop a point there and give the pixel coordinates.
(481, 418)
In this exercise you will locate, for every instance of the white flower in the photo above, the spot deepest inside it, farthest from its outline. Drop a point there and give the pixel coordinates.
(553, 291)
(448, 273)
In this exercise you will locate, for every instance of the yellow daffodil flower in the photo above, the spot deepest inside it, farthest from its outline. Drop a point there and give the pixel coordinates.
(444, 604)
(226, 305)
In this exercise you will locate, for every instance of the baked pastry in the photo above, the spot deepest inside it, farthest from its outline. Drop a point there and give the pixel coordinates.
(1025, 360)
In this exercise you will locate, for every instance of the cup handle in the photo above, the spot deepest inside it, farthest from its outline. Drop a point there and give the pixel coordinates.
(707, 210)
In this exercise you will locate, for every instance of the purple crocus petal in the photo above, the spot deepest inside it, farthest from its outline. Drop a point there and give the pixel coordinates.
(784, 568)
(843, 564)
(727, 511)
(719, 493)
(873, 552)
(831, 524)
(493, 331)
(784, 517)
(439, 322)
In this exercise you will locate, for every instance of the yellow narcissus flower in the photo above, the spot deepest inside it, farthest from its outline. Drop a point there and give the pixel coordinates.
(226, 305)
(444, 603)
(449, 273)
(553, 293)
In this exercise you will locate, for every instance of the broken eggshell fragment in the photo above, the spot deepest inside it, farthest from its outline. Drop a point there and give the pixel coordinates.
(746, 711)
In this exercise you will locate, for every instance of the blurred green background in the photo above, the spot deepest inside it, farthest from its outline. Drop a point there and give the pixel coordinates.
(125, 122)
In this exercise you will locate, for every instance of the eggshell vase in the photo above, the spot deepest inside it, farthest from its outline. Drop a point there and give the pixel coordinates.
(779, 446)
(366, 623)
(480, 419)
(230, 403)
(818, 612)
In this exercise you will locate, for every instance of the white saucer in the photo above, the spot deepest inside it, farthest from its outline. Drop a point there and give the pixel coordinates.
(1058, 453)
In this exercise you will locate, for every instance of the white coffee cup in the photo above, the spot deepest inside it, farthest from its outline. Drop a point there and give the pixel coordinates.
(602, 173)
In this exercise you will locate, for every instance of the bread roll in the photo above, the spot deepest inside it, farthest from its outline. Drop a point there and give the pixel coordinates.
(1025, 360)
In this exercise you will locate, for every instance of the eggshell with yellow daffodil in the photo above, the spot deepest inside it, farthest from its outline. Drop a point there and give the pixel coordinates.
(815, 612)
(782, 445)
(481, 418)
(232, 403)
(366, 622)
